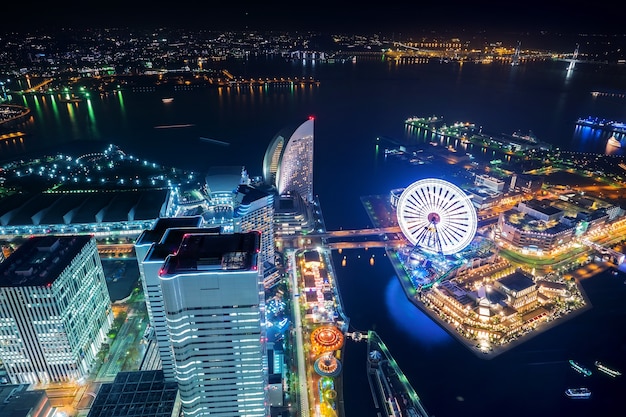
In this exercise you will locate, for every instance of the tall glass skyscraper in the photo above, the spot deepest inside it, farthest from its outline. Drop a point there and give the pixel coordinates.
(55, 310)
(214, 307)
(288, 161)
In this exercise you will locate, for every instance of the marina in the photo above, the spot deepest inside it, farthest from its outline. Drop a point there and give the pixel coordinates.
(391, 391)
(602, 124)
(70, 99)
(11, 115)
(436, 130)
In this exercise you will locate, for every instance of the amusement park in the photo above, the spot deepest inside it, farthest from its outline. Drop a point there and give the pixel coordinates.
(491, 284)
(485, 284)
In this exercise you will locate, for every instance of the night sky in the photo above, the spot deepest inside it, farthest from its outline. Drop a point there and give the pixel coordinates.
(384, 16)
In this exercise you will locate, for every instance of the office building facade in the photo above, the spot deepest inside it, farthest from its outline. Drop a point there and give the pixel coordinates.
(55, 310)
(254, 211)
(151, 248)
(214, 308)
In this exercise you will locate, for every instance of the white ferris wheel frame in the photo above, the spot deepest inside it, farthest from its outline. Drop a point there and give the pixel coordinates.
(437, 216)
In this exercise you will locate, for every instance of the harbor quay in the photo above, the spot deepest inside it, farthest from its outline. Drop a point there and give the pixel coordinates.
(445, 301)
(321, 330)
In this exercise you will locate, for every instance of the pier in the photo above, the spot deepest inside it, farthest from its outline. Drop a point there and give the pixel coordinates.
(11, 114)
(602, 124)
(391, 391)
(433, 128)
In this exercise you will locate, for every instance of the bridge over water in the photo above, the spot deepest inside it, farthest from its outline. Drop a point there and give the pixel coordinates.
(386, 237)
(618, 257)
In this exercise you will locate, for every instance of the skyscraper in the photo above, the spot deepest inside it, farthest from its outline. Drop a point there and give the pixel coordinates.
(288, 161)
(152, 247)
(214, 307)
(55, 310)
(254, 210)
(237, 203)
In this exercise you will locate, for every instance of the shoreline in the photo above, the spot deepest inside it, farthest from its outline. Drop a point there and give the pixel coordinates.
(21, 117)
(495, 350)
(381, 217)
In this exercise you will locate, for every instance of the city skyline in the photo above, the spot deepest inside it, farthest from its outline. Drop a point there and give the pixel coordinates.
(352, 159)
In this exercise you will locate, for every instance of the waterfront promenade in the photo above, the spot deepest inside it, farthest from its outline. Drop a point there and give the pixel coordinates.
(11, 114)
(381, 215)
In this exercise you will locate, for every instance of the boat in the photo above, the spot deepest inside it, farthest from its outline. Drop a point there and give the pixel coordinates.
(72, 99)
(609, 371)
(174, 126)
(167, 99)
(602, 124)
(578, 393)
(580, 369)
(218, 142)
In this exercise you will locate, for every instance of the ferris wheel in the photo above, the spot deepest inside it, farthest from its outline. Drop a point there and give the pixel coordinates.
(437, 216)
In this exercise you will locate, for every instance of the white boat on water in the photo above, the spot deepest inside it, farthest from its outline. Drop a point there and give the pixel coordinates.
(578, 393)
(609, 371)
(167, 99)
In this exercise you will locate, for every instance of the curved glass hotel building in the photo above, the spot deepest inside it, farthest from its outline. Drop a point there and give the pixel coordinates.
(288, 161)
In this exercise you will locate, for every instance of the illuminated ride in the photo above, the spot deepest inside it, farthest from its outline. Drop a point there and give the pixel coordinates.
(326, 339)
(327, 365)
(437, 216)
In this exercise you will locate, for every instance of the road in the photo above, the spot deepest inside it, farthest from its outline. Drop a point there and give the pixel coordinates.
(126, 350)
(297, 320)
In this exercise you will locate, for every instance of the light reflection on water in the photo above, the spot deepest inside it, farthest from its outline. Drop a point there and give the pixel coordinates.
(410, 320)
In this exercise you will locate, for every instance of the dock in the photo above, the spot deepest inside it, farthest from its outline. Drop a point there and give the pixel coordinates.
(391, 391)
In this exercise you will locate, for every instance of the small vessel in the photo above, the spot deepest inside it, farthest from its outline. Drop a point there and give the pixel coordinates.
(167, 99)
(174, 126)
(580, 369)
(578, 393)
(70, 99)
(217, 142)
(609, 371)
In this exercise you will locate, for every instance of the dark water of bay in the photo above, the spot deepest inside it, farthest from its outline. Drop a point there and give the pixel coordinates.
(353, 104)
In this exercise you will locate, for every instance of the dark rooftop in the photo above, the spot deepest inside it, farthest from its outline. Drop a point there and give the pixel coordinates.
(171, 240)
(162, 224)
(223, 178)
(40, 260)
(135, 394)
(15, 401)
(205, 251)
(247, 194)
(77, 208)
(312, 256)
(544, 207)
(517, 281)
